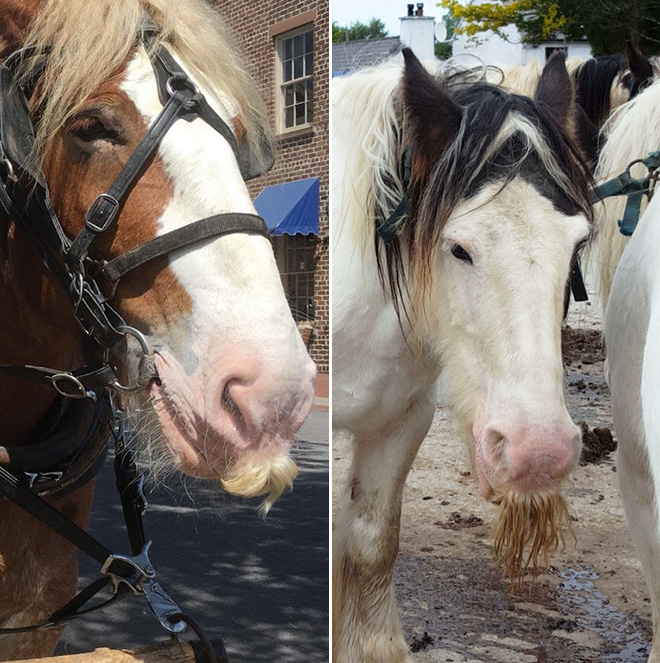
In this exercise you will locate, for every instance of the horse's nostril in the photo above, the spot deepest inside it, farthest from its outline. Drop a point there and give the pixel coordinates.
(229, 404)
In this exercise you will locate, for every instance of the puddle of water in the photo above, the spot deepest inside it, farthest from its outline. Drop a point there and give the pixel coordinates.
(471, 611)
(626, 637)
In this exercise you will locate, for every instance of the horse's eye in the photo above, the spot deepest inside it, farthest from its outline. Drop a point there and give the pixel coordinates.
(89, 129)
(459, 252)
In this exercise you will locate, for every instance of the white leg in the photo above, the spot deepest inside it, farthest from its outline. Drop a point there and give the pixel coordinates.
(635, 385)
(639, 501)
(366, 627)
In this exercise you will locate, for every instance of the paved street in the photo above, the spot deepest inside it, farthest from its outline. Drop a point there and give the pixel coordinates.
(261, 586)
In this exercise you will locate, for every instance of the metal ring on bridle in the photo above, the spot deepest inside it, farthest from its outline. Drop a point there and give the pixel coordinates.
(9, 168)
(146, 361)
(184, 83)
(138, 336)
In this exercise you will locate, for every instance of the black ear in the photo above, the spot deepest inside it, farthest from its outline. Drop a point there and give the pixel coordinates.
(639, 65)
(433, 116)
(555, 91)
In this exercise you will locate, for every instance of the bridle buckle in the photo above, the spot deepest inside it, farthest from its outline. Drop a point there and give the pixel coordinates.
(101, 213)
(69, 386)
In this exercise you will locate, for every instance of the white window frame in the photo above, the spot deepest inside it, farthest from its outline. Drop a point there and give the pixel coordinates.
(280, 84)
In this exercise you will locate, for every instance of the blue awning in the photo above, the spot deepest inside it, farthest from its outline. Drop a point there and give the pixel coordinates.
(290, 208)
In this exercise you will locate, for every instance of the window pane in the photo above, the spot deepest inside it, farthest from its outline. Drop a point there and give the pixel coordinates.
(309, 261)
(308, 64)
(288, 117)
(310, 101)
(298, 45)
(300, 114)
(287, 70)
(286, 49)
(298, 64)
(308, 42)
(300, 93)
(288, 95)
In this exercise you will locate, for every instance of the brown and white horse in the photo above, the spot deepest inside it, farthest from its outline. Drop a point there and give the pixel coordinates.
(235, 381)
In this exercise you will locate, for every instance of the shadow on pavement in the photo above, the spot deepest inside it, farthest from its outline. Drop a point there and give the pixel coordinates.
(260, 585)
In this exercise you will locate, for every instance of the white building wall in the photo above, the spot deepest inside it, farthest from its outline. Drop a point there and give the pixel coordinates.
(492, 49)
(580, 49)
(417, 32)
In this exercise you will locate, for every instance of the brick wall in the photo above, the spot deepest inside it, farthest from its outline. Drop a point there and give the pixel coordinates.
(301, 156)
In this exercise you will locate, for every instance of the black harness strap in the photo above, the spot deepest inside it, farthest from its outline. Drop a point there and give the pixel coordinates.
(105, 208)
(127, 574)
(12, 489)
(57, 449)
(212, 226)
(81, 383)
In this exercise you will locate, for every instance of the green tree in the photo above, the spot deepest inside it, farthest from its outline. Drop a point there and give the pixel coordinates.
(606, 23)
(375, 29)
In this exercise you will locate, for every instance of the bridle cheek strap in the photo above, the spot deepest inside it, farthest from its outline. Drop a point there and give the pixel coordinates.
(104, 210)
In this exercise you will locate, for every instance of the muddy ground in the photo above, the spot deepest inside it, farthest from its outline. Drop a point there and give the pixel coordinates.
(591, 605)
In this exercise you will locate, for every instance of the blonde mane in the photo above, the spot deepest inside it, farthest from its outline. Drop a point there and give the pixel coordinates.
(87, 42)
(524, 78)
(631, 133)
(369, 115)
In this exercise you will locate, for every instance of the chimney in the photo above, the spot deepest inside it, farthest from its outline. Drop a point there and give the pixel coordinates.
(418, 32)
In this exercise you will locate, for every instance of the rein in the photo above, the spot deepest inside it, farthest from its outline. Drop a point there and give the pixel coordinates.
(66, 455)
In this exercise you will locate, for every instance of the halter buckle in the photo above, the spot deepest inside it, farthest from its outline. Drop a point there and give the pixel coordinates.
(101, 213)
(38, 478)
(69, 386)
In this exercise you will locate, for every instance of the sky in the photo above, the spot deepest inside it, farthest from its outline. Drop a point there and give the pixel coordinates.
(346, 12)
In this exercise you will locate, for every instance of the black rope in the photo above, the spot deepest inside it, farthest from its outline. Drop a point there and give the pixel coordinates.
(208, 648)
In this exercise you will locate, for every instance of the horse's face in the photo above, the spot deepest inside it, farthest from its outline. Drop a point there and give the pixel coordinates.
(499, 203)
(235, 378)
(503, 308)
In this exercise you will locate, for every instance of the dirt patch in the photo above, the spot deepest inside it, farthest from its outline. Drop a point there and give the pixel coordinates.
(582, 346)
(597, 443)
(591, 606)
(459, 521)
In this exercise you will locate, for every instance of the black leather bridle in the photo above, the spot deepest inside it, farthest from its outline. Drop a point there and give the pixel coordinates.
(63, 459)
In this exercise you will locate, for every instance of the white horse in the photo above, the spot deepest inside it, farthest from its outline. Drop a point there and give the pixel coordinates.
(632, 333)
(473, 283)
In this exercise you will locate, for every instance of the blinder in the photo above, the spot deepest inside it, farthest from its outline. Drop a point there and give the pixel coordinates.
(16, 129)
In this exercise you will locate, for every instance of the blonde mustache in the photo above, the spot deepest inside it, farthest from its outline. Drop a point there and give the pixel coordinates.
(529, 530)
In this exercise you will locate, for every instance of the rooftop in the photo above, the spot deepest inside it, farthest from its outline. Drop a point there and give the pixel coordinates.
(349, 56)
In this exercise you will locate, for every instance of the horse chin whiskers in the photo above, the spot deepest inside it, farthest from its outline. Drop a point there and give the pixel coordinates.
(528, 530)
(252, 478)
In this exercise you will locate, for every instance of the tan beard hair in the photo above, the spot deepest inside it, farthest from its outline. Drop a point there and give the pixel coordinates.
(529, 529)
